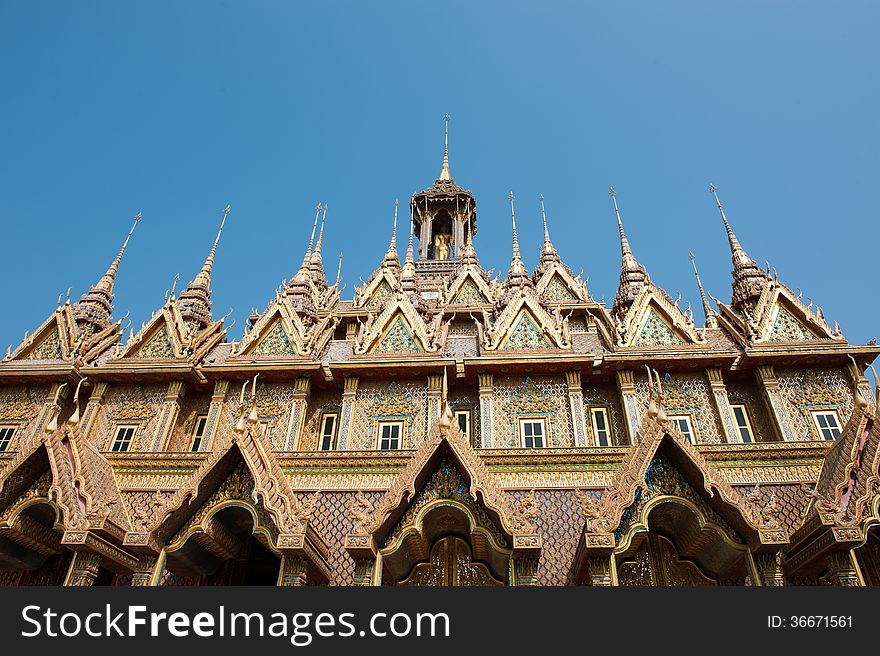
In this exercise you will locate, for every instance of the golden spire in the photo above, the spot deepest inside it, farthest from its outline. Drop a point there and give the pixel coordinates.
(546, 232)
(390, 258)
(632, 275)
(625, 250)
(736, 249)
(339, 270)
(316, 254)
(409, 245)
(203, 279)
(708, 312)
(312, 238)
(517, 268)
(408, 274)
(105, 284)
(444, 170)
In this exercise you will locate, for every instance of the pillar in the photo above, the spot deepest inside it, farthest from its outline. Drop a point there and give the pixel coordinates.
(349, 394)
(168, 415)
(218, 398)
(294, 571)
(775, 402)
(627, 388)
(302, 388)
(363, 572)
(722, 405)
(435, 391)
(486, 393)
(770, 569)
(96, 399)
(148, 571)
(860, 384)
(576, 403)
(841, 570)
(601, 569)
(526, 571)
(83, 569)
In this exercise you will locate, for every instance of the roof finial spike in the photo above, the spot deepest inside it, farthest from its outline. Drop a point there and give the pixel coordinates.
(312, 238)
(317, 250)
(512, 198)
(544, 217)
(394, 229)
(444, 170)
(625, 250)
(708, 312)
(409, 245)
(339, 270)
(735, 248)
(108, 279)
(204, 276)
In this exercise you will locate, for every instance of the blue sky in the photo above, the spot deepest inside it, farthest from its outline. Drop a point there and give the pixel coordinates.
(176, 109)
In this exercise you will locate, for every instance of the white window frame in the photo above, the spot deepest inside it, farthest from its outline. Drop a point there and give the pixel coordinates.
(830, 412)
(739, 427)
(333, 434)
(467, 415)
(6, 442)
(600, 410)
(193, 445)
(116, 438)
(381, 425)
(532, 420)
(689, 434)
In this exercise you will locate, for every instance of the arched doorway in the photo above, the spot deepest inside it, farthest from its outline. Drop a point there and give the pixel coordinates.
(227, 546)
(30, 546)
(442, 237)
(680, 545)
(451, 564)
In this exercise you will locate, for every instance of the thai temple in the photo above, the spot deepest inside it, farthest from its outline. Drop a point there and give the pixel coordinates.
(442, 427)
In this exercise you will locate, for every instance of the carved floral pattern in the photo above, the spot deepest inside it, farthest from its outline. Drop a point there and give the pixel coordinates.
(525, 335)
(655, 331)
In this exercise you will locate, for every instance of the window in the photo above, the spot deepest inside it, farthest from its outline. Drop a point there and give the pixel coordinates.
(599, 419)
(743, 425)
(684, 425)
(532, 433)
(389, 435)
(124, 435)
(6, 435)
(328, 431)
(463, 421)
(827, 424)
(199, 432)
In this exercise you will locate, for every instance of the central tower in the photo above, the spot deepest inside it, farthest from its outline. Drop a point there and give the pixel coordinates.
(444, 217)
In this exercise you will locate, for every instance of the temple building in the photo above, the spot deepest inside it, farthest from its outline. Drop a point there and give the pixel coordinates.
(443, 427)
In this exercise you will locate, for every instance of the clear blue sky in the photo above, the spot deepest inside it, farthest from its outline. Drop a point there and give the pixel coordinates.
(177, 108)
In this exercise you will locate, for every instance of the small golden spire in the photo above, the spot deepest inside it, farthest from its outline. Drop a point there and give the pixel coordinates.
(708, 313)
(512, 199)
(444, 170)
(544, 217)
(735, 248)
(625, 250)
(339, 270)
(108, 279)
(312, 238)
(204, 276)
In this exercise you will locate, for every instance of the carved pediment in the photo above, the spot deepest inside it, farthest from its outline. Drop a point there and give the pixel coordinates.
(374, 294)
(556, 285)
(53, 340)
(399, 328)
(158, 339)
(469, 289)
(781, 317)
(282, 332)
(525, 325)
(655, 320)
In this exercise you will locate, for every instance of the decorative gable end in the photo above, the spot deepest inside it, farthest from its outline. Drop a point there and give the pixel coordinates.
(656, 331)
(525, 335)
(469, 294)
(275, 342)
(158, 346)
(557, 291)
(383, 291)
(787, 328)
(398, 339)
(49, 348)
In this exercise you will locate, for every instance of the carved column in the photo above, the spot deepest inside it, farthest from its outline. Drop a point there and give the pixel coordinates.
(627, 388)
(363, 572)
(722, 404)
(435, 390)
(576, 403)
(600, 571)
(526, 571)
(348, 396)
(221, 387)
(841, 570)
(302, 388)
(486, 393)
(83, 569)
(294, 571)
(149, 571)
(92, 407)
(861, 384)
(168, 415)
(775, 402)
(350, 330)
(770, 569)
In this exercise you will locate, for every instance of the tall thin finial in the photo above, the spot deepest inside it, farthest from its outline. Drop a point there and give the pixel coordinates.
(735, 248)
(312, 238)
(512, 198)
(708, 313)
(204, 276)
(394, 229)
(107, 280)
(339, 270)
(625, 250)
(409, 245)
(317, 252)
(444, 170)
(544, 217)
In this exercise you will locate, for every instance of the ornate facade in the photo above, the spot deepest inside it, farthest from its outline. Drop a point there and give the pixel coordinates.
(443, 428)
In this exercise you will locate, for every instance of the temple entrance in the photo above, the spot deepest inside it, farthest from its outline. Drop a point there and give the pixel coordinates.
(30, 549)
(868, 556)
(451, 564)
(683, 547)
(225, 548)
